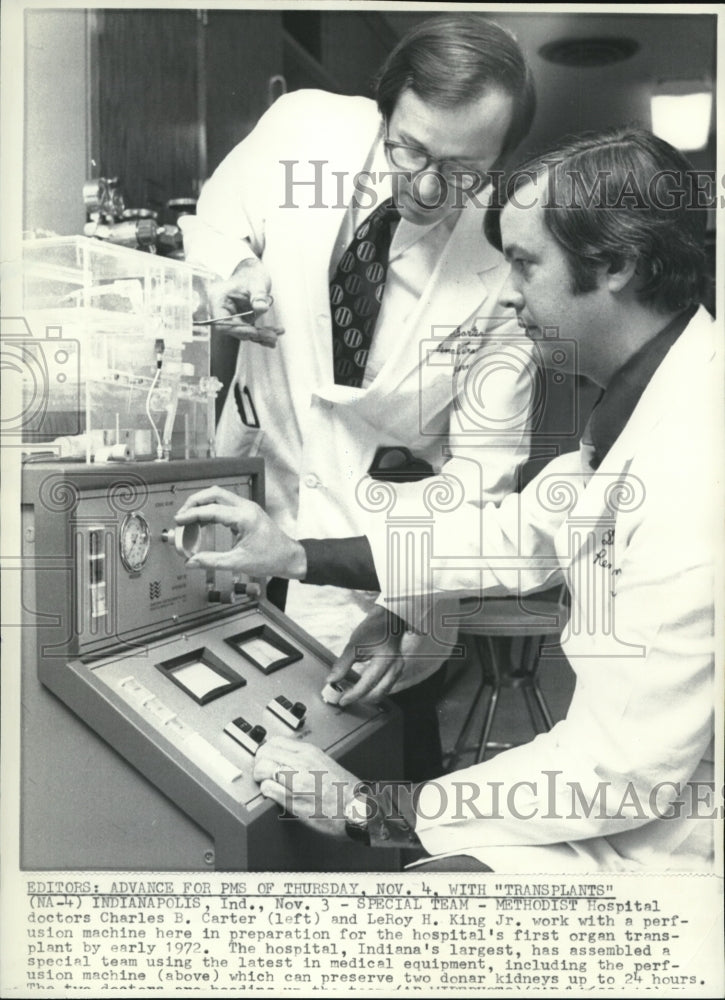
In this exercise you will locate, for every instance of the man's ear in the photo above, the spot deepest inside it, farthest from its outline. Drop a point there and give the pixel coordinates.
(620, 273)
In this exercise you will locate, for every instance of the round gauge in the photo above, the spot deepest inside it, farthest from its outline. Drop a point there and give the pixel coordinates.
(135, 542)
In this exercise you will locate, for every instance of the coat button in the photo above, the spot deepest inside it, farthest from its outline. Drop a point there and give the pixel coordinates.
(311, 480)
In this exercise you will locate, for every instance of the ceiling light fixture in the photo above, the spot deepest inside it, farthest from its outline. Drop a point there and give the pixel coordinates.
(589, 52)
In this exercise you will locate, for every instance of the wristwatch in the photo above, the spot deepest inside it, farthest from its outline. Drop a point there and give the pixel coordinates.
(357, 818)
(375, 819)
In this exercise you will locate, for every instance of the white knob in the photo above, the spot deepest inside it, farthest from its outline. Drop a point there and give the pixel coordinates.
(185, 540)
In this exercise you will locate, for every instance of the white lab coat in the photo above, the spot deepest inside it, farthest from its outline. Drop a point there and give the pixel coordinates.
(317, 439)
(636, 542)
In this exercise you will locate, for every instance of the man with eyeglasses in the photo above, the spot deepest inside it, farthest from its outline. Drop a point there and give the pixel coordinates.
(420, 168)
(354, 228)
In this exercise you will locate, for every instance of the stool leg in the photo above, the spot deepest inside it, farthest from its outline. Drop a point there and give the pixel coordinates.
(459, 746)
(527, 669)
(483, 745)
(531, 706)
(489, 647)
(530, 661)
(541, 702)
(535, 688)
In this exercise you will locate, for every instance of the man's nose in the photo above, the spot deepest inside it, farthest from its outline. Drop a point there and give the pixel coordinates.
(510, 296)
(430, 188)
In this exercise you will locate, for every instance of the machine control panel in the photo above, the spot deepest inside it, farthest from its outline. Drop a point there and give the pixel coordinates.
(185, 672)
(194, 691)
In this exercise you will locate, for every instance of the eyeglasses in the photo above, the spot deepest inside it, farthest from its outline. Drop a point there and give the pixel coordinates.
(414, 159)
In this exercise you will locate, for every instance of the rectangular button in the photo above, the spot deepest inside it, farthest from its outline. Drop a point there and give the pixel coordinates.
(134, 690)
(160, 711)
(210, 760)
(176, 729)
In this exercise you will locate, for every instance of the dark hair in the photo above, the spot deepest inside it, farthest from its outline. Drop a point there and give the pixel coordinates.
(455, 59)
(614, 196)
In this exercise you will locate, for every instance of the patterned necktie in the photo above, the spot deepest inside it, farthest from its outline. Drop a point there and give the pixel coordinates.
(356, 292)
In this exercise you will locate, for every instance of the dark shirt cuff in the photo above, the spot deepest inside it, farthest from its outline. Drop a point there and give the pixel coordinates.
(340, 562)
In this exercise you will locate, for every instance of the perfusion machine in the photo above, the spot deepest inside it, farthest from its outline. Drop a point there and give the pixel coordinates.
(182, 673)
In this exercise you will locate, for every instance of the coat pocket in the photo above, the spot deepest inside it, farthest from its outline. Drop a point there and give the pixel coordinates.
(238, 431)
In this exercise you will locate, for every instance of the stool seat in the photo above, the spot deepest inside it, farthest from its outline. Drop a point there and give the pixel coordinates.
(530, 614)
(506, 635)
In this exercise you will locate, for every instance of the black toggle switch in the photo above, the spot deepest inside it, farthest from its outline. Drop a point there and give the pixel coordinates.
(252, 590)
(220, 596)
(291, 715)
(245, 734)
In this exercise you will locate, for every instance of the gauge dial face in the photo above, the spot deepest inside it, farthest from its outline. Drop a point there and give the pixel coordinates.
(135, 542)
